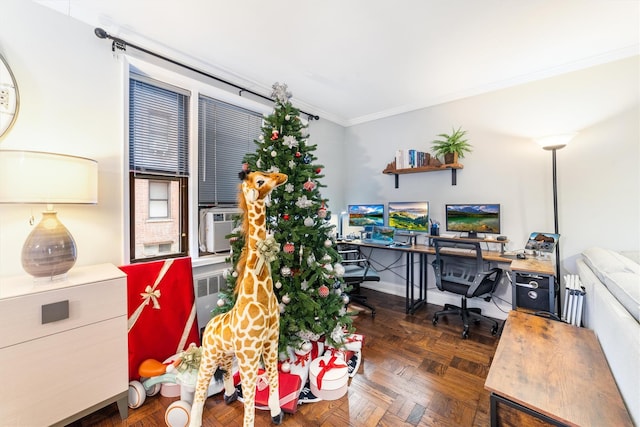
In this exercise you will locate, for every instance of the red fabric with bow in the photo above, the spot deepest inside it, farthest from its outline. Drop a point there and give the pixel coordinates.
(161, 309)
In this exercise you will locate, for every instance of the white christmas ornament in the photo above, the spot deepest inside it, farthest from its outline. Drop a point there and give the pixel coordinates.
(285, 271)
(303, 202)
(326, 258)
(274, 153)
(311, 259)
(345, 299)
(328, 243)
(286, 298)
(278, 284)
(221, 302)
(285, 367)
(338, 269)
(308, 221)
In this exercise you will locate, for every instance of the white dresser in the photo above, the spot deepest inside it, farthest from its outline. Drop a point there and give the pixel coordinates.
(63, 346)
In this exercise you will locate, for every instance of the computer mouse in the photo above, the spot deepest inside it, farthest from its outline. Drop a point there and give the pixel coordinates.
(521, 256)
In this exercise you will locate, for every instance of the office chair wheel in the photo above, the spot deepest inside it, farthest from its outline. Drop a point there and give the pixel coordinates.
(435, 320)
(465, 334)
(494, 331)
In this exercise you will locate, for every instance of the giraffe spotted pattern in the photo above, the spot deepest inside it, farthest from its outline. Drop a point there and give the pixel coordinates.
(250, 329)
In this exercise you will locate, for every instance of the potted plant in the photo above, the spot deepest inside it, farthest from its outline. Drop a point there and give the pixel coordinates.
(452, 147)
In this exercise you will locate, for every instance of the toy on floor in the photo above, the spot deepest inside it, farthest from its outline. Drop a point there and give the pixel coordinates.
(251, 328)
(181, 370)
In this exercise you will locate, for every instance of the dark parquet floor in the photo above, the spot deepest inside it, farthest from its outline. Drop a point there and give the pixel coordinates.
(412, 374)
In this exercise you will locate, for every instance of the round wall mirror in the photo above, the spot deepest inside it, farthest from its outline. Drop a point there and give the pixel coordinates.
(9, 98)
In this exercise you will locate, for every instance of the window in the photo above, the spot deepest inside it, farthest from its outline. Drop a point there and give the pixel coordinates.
(158, 199)
(158, 169)
(225, 134)
(181, 127)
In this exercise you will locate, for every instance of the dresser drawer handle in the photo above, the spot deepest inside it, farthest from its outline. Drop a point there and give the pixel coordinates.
(55, 311)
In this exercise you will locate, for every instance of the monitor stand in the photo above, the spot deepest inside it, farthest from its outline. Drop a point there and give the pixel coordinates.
(472, 235)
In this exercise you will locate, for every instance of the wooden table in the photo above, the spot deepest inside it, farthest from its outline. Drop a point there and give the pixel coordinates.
(554, 372)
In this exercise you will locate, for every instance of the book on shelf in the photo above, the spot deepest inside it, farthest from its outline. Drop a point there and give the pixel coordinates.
(411, 158)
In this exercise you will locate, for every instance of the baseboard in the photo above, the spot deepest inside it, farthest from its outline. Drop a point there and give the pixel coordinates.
(437, 297)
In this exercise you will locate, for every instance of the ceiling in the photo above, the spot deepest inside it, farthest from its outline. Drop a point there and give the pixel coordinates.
(351, 61)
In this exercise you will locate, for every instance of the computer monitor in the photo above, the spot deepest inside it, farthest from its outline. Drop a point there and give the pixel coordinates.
(366, 214)
(473, 218)
(409, 216)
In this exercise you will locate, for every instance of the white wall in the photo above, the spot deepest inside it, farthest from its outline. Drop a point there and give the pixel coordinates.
(70, 102)
(329, 138)
(598, 178)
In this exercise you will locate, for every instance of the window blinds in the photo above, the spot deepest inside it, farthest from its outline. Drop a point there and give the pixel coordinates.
(158, 127)
(226, 133)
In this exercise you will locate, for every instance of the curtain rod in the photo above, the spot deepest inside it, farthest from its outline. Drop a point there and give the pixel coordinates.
(122, 45)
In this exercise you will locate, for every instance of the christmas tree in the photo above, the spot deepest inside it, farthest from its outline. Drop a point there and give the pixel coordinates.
(307, 271)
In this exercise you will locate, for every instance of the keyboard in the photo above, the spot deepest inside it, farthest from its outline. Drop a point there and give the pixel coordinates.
(381, 242)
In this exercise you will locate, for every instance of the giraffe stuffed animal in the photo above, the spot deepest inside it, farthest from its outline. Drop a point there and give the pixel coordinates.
(251, 328)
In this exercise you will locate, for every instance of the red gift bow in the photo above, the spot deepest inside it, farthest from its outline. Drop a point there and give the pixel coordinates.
(301, 359)
(324, 368)
(336, 352)
(354, 338)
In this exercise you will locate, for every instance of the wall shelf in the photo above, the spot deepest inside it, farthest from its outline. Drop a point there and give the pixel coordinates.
(453, 167)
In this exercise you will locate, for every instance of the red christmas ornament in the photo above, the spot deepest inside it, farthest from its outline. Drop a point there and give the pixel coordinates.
(309, 185)
(289, 247)
(285, 217)
(298, 154)
(323, 291)
(318, 170)
(274, 134)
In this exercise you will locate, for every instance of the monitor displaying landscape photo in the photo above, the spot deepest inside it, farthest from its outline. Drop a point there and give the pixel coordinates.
(473, 218)
(366, 214)
(409, 216)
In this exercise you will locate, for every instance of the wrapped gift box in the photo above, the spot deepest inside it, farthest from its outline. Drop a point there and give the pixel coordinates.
(299, 363)
(354, 342)
(161, 308)
(288, 385)
(328, 377)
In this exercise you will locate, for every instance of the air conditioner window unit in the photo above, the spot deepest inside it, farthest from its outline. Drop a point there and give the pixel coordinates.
(215, 224)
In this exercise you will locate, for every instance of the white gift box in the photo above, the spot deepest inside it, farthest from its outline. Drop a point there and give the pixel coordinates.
(354, 342)
(328, 377)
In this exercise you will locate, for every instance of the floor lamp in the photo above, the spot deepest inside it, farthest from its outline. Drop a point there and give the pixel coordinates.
(554, 143)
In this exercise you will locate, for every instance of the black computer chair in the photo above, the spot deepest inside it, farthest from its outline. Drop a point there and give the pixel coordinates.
(358, 269)
(459, 269)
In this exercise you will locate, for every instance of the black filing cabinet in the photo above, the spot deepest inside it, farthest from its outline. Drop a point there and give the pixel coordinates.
(535, 292)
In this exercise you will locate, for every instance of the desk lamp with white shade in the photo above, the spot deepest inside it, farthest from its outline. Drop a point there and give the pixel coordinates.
(32, 177)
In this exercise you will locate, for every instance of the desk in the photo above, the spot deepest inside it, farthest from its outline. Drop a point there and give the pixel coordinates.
(415, 300)
(554, 372)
